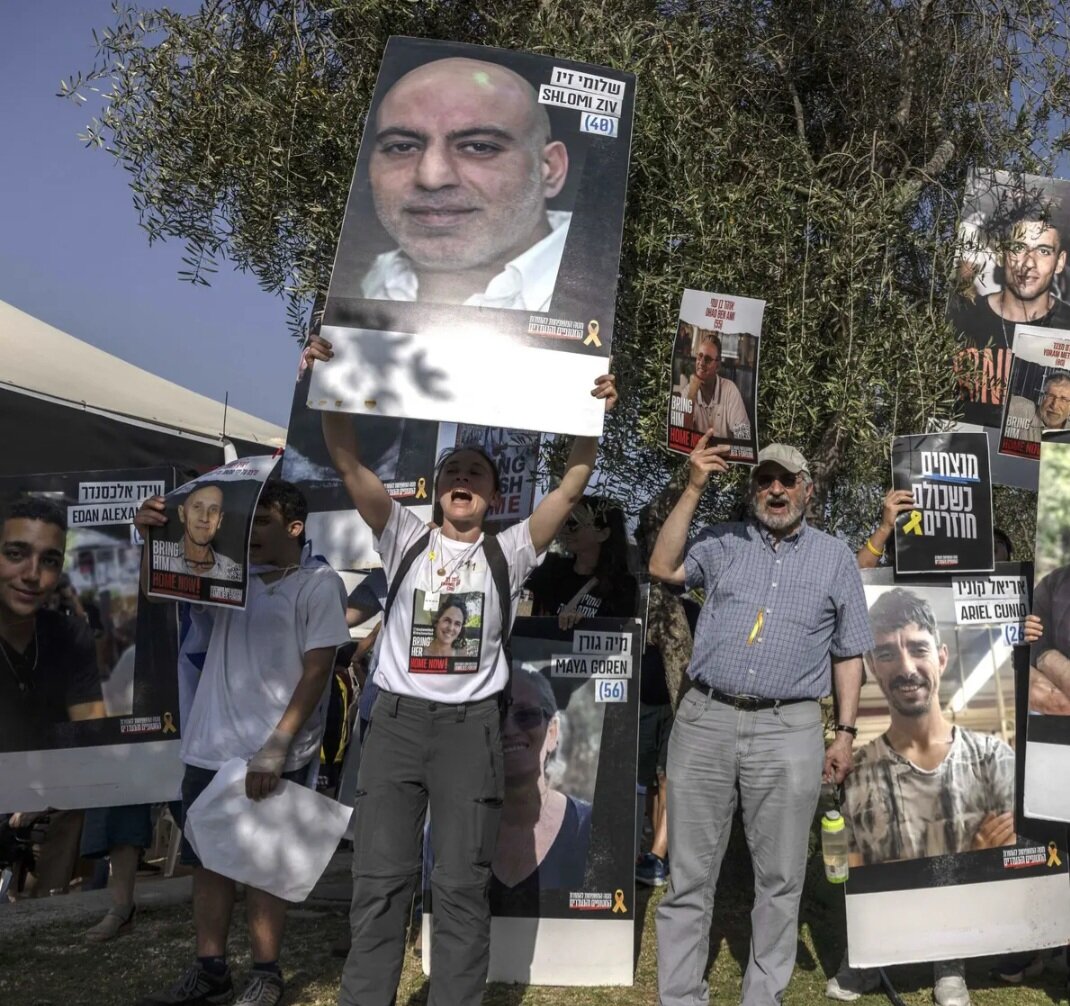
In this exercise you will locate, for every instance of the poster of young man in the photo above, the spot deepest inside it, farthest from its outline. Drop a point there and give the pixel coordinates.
(562, 888)
(477, 262)
(1011, 271)
(202, 553)
(516, 453)
(401, 452)
(941, 865)
(714, 373)
(1047, 763)
(949, 529)
(1038, 392)
(80, 693)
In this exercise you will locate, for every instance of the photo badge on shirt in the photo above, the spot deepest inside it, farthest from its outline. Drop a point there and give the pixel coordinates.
(447, 632)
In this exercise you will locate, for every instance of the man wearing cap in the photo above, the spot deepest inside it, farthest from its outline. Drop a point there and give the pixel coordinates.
(784, 623)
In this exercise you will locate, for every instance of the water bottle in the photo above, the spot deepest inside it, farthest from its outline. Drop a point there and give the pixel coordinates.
(834, 846)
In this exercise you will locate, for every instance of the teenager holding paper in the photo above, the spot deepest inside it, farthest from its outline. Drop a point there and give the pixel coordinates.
(260, 698)
(436, 729)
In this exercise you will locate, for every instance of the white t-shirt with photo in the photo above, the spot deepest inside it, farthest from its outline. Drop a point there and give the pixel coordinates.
(467, 576)
(254, 663)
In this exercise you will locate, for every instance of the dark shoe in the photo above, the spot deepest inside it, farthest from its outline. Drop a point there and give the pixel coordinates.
(196, 986)
(263, 988)
(1015, 975)
(652, 870)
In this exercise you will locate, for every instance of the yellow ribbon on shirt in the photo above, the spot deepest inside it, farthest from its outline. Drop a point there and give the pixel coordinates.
(756, 631)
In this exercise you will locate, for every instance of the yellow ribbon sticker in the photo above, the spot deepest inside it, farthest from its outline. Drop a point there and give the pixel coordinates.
(421, 490)
(756, 631)
(592, 335)
(618, 901)
(169, 724)
(1053, 855)
(913, 526)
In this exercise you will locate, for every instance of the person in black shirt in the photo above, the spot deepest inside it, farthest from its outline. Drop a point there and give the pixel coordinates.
(48, 664)
(594, 579)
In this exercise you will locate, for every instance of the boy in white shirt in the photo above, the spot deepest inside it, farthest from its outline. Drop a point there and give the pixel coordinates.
(435, 734)
(260, 697)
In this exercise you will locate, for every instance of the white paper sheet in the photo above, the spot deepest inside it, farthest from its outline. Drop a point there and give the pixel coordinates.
(461, 375)
(281, 844)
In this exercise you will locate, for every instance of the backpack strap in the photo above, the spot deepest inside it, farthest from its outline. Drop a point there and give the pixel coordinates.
(499, 571)
(403, 567)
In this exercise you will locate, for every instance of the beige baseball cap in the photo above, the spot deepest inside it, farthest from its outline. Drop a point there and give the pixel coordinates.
(787, 457)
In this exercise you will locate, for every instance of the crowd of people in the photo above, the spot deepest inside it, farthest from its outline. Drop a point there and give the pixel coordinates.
(783, 622)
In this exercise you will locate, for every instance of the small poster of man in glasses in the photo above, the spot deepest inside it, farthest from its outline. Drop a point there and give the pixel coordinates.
(1039, 389)
(714, 374)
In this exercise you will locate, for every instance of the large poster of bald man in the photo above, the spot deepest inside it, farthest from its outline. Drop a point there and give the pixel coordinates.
(476, 267)
(204, 551)
(939, 866)
(714, 375)
(1038, 392)
(1012, 271)
(949, 527)
(87, 682)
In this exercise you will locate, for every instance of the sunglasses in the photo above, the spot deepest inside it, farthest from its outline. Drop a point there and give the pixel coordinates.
(527, 717)
(787, 479)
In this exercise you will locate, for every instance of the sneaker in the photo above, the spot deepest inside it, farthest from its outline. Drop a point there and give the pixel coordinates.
(1015, 975)
(115, 923)
(264, 988)
(949, 984)
(652, 870)
(849, 984)
(196, 986)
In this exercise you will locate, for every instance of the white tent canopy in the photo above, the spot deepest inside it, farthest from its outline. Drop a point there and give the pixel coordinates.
(40, 360)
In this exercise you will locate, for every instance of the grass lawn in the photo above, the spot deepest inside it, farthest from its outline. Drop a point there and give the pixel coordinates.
(56, 968)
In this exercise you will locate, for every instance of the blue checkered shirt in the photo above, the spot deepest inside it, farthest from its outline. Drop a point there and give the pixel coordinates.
(808, 593)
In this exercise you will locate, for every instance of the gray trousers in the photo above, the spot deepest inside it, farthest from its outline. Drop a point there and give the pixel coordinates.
(417, 752)
(776, 757)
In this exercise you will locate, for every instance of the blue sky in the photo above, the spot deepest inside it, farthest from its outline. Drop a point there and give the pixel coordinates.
(71, 250)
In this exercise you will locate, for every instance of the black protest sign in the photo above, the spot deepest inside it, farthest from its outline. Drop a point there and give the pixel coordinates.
(949, 528)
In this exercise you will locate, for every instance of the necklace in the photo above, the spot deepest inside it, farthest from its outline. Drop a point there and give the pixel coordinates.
(278, 583)
(453, 565)
(23, 685)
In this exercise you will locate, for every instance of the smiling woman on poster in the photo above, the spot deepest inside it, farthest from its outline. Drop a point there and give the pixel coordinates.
(544, 834)
(448, 626)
